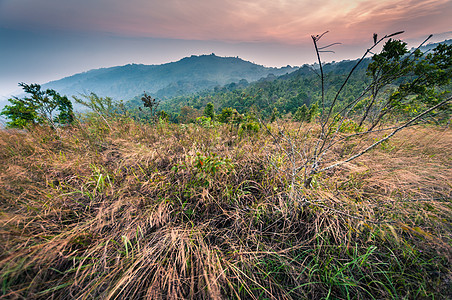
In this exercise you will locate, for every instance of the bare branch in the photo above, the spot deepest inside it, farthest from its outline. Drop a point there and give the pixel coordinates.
(318, 37)
(324, 47)
(400, 32)
(387, 137)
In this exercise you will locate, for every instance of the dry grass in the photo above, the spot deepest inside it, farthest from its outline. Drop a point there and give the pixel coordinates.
(182, 211)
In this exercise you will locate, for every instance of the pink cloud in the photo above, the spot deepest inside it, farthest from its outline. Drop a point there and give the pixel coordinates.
(283, 21)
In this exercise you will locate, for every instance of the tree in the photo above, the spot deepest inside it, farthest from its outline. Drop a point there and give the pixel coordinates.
(38, 108)
(150, 103)
(209, 111)
(229, 115)
(417, 77)
(301, 113)
(399, 79)
(312, 113)
(164, 116)
(275, 114)
(188, 114)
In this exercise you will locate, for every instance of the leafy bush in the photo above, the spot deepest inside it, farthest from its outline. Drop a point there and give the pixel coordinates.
(350, 126)
(249, 126)
(204, 121)
(229, 115)
(301, 113)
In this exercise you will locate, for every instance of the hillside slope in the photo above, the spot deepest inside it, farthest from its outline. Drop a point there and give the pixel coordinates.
(169, 211)
(188, 75)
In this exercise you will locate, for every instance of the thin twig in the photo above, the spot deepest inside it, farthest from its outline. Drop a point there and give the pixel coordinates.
(387, 137)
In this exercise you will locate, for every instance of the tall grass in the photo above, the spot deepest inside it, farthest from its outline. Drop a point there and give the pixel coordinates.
(132, 211)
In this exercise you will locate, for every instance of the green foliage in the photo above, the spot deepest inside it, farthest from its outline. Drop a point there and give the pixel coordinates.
(301, 113)
(350, 126)
(419, 80)
(104, 106)
(229, 115)
(275, 114)
(163, 115)
(312, 113)
(209, 111)
(204, 121)
(211, 164)
(38, 108)
(249, 125)
(286, 93)
(21, 113)
(205, 166)
(188, 114)
(386, 63)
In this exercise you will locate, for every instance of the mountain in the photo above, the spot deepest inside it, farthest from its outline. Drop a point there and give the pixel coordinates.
(431, 46)
(285, 93)
(186, 76)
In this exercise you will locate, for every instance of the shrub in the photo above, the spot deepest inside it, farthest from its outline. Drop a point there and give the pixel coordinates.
(209, 111)
(229, 115)
(301, 113)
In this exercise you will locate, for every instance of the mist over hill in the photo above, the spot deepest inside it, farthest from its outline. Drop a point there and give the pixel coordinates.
(431, 46)
(186, 76)
(278, 94)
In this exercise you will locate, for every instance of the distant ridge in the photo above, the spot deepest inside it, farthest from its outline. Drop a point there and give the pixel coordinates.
(186, 76)
(430, 46)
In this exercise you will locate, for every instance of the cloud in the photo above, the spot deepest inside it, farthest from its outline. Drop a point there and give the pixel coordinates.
(284, 21)
(416, 17)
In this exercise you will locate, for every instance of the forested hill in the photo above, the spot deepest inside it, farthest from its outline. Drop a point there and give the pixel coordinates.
(186, 76)
(285, 93)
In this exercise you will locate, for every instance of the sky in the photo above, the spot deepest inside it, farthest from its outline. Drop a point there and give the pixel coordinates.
(47, 40)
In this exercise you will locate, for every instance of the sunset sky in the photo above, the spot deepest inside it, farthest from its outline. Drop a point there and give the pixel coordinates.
(48, 39)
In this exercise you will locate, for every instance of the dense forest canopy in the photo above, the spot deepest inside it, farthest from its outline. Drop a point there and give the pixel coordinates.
(285, 94)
